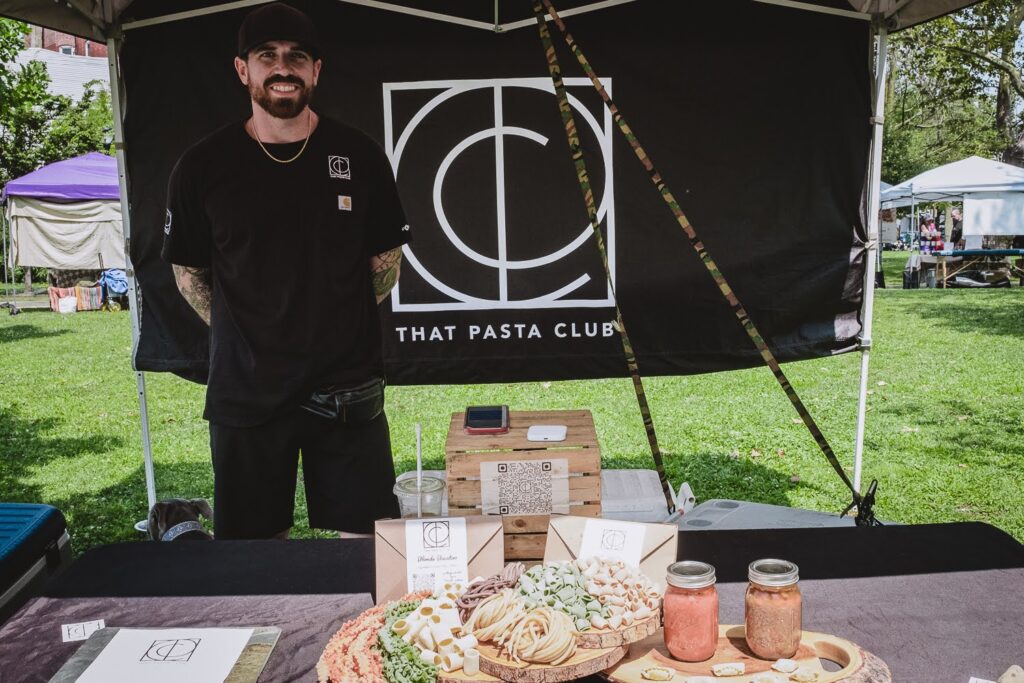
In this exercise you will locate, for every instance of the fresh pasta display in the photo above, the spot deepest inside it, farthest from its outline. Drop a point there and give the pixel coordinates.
(525, 618)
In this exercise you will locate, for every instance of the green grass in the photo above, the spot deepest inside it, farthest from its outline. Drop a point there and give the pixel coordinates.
(945, 434)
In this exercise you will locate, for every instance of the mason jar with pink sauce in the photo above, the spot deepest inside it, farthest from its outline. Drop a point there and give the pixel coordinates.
(691, 611)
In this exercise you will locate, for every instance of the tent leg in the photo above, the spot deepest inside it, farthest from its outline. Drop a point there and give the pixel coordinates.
(875, 177)
(134, 299)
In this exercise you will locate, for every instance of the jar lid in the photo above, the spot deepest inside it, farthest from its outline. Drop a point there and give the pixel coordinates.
(772, 572)
(690, 574)
(429, 485)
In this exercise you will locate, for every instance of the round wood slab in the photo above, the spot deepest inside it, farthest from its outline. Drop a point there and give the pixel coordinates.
(460, 676)
(857, 665)
(582, 664)
(634, 633)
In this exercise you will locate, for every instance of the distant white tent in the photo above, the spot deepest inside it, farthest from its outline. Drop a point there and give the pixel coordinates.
(950, 183)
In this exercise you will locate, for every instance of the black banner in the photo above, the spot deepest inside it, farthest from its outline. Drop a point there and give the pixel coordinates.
(756, 116)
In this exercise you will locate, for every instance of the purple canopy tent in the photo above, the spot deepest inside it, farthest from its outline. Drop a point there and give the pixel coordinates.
(90, 176)
(66, 215)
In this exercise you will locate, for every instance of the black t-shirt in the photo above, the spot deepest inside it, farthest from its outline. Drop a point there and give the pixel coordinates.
(289, 248)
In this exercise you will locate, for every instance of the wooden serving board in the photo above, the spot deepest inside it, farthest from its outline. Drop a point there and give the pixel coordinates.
(858, 665)
(582, 664)
(634, 633)
(461, 676)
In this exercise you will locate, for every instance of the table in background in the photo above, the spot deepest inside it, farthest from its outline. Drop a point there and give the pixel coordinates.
(937, 602)
(968, 258)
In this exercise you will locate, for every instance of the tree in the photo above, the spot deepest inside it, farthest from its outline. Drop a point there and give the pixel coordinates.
(37, 128)
(955, 89)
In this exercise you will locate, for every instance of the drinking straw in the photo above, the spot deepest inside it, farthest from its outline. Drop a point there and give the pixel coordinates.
(419, 470)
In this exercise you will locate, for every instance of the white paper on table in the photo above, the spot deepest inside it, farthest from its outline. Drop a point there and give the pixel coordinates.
(979, 680)
(73, 632)
(613, 540)
(169, 655)
(435, 552)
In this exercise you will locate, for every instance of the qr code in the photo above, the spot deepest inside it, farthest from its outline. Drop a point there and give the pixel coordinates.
(423, 581)
(525, 488)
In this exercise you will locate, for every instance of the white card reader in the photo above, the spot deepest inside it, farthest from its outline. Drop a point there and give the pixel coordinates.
(546, 433)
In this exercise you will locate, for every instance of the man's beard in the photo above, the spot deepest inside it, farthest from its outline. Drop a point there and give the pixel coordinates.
(281, 107)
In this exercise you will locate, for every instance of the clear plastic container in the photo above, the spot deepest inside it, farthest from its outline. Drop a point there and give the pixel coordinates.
(417, 499)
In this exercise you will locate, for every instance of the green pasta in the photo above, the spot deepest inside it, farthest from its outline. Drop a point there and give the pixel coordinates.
(401, 661)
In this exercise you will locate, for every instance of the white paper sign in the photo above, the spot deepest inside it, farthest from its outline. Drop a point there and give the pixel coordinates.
(196, 655)
(525, 487)
(613, 540)
(72, 632)
(435, 552)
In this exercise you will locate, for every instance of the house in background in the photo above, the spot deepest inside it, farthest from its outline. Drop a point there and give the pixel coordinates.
(70, 60)
(65, 43)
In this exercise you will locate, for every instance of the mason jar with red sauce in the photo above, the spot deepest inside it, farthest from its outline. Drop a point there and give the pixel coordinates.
(773, 609)
(691, 611)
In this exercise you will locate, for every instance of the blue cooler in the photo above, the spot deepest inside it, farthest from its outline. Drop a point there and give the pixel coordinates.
(34, 545)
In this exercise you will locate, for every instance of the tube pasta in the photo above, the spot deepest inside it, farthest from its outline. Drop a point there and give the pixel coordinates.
(471, 662)
(451, 662)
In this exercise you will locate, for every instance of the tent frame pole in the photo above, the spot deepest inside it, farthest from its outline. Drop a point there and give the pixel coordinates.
(134, 299)
(873, 202)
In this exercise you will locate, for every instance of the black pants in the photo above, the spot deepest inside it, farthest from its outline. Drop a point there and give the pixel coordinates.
(347, 469)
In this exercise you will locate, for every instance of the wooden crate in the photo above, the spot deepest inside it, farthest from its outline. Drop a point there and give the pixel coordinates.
(525, 535)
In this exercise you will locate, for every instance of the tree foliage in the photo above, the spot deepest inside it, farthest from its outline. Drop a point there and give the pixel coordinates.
(955, 89)
(36, 127)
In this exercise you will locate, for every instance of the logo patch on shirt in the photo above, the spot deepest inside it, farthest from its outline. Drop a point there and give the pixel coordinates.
(344, 202)
(167, 223)
(338, 167)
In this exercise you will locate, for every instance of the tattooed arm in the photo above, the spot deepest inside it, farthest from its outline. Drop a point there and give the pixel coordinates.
(196, 286)
(384, 269)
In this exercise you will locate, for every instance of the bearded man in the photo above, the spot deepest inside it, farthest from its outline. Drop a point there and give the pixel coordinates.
(285, 232)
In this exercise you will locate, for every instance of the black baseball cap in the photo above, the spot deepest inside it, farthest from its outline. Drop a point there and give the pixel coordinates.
(277, 21)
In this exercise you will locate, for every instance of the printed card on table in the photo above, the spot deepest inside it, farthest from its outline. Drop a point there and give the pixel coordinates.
(196, 655)
(613, 540)
(74, 632)
(435, 552)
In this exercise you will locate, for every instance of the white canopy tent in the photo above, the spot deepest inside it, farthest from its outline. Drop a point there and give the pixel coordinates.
(952, 182)
(992, 193)
(104, 20)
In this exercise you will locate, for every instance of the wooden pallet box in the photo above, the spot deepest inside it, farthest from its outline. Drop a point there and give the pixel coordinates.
(524, 468)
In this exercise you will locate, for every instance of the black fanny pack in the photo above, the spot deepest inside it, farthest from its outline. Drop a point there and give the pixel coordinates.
(356, 404)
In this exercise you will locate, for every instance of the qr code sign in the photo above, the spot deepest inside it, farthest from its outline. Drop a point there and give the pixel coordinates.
(525, 487)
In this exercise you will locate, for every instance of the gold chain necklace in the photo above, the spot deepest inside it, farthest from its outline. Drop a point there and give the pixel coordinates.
(309, 130)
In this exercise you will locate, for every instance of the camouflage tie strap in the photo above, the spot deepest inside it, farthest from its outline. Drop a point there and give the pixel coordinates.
(865, 515)
(588, 197)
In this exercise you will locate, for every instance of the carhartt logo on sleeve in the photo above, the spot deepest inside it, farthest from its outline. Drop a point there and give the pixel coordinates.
(339, 168)
(344, 202)
(167, 223)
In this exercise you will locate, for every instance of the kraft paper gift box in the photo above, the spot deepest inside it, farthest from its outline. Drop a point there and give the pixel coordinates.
(565, 537)
(485, 550)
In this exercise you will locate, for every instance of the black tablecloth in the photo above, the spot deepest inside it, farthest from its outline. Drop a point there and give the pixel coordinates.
(937, 602)
(328, 566)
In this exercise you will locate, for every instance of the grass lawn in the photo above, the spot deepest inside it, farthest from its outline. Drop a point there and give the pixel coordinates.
(945, 434)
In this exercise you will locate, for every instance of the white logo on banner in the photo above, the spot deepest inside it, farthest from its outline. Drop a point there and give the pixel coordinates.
(450, 298)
